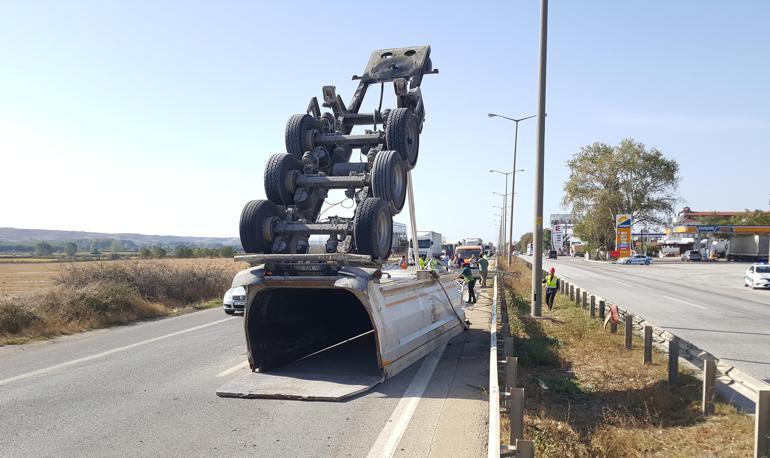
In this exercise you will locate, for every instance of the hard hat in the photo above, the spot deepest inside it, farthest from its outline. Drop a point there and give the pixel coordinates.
(553, 270)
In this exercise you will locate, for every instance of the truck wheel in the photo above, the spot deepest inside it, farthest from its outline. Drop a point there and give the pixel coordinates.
(401, 134)
(373, 228)
(280, 171)
(256, 226)
(389, 179)
(299, 128)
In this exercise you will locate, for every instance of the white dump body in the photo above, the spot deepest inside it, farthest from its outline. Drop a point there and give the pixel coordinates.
(387, 320)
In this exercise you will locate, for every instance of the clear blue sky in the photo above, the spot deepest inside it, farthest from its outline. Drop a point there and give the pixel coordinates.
(158, 117)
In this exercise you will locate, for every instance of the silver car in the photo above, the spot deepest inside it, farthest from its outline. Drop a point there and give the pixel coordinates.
(638, 259)
(234, 300)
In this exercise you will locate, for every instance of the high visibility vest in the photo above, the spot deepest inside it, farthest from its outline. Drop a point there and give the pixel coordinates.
(403, 263)
(550, 281)
(421, 263)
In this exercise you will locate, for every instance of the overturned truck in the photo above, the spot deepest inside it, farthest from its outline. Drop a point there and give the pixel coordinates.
(328, 326)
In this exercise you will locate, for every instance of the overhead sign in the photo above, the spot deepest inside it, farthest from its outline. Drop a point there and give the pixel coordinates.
(557, 237)
(623, 225)
(561, 218)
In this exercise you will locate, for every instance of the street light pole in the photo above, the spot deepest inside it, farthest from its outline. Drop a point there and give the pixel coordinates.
(537, 236)
(504, 203)
(513, 184)
(504, 207)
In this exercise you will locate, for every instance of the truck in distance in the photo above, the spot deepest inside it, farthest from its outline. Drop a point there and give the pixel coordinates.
(429, 244)
(749, 248)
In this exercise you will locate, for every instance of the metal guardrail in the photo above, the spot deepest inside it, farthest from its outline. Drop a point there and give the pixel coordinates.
(728, 375)
(513, 397)
(494, 387)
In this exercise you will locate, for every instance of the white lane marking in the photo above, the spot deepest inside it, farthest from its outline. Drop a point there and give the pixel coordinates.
(387, 442)
(624, 283)
(685, 302)
(108, 352)
(243, 365)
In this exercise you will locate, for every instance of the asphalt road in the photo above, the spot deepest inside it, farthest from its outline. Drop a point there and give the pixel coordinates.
(705, 303)
(149, 389)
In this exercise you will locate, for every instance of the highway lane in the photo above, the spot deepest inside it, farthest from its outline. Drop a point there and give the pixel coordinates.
(149, 389)
(704, 303)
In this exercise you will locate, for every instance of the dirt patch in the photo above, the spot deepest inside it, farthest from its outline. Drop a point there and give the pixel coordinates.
(586, 395)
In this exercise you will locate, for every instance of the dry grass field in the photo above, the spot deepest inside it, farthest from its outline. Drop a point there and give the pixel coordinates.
(40, 300)
(18, 278)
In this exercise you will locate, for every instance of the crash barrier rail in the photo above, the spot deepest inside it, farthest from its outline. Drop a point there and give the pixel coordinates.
(512, 398)
(713, 368)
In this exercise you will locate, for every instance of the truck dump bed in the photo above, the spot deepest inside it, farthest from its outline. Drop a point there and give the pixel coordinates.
(326, 327)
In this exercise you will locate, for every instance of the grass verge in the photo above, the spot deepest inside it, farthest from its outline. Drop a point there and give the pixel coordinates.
(100, 294)
(586, 395)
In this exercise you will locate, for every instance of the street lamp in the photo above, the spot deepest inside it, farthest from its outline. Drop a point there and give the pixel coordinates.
(513, 184)
(505, 211)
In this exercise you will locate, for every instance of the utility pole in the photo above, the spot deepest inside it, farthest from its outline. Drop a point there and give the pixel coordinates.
(537, 233)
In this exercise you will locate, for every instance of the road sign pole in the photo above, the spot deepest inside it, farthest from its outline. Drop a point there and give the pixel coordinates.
(537, 233)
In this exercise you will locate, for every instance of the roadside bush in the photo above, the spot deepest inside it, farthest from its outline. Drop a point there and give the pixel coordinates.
(99, 304)
(158, 281)
(14, 318)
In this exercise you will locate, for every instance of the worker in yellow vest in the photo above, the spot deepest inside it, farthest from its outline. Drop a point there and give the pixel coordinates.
(551, 282)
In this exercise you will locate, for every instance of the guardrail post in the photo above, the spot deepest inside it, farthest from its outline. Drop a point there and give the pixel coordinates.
(629, 330)
(584, 303)
(602, 310)
(709, 386)
(516, 414)
(593, 306)
(511, 369)
(571, 292)
(762, 424)
(508, 346)
(648, 345)
(561, 287)
(673, 361)
(577, 296)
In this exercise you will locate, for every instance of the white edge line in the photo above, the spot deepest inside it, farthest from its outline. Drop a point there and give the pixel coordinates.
(390, 436)
(686, 302)
(108, 352)
(238, 367)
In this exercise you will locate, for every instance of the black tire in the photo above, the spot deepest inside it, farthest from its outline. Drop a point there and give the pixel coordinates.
(389, 174)
(256, 219)
(279, 178)
(296, 134)
(230, 312)
(373, 228)
(402, 135)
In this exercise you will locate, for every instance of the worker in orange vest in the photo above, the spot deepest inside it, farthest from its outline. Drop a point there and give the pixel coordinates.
(403, 264)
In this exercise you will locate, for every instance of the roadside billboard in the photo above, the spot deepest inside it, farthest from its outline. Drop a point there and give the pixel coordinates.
(623, 245)
(557, 237)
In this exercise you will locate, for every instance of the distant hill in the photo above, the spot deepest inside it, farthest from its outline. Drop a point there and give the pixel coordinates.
(23, 236)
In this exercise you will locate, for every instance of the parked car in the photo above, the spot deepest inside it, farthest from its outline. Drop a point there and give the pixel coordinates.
(757, 276)
(691, 255)
(639, 259)
(552, 254)
(234, 300)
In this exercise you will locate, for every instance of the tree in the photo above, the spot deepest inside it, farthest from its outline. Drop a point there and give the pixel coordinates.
(227, 252)
(607, 180)
(70, 248)
(525, 240)
(183, 252)
(158, 252)
(43, 249)
(115, 245)
(145, 252)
